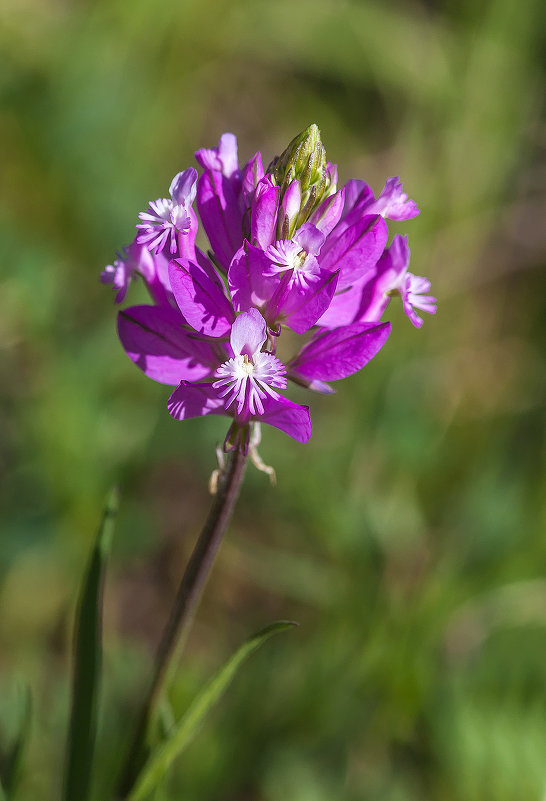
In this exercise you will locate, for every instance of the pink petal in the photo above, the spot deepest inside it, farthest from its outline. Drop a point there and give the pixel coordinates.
(252, 173)
(223, 158)
(200, 299)
(227, 150)
(332, 355)
(310, 238)
(355, 250)
(248, 333)
(220, 214)
(155, 341)
(357, 196)
(328, 214)
(291, 418)
(300, 308)
(194, 400)
(263, 224)
(247, 283)
(289, 210)
(346, 305)
(183, 189)
(393, 203)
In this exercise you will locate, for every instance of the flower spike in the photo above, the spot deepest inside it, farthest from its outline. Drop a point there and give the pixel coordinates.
(287, 249)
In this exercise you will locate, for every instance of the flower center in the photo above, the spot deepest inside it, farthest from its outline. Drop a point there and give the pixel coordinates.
(247, 366)
(247, 381)
(299, 260)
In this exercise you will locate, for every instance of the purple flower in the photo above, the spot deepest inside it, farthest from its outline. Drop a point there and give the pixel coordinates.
(169, 217)
(222, 158)
(368, 298)
(136, 259)
(119, 274)
(159, 341)
(331, 355)
(244, 385)
(412, 289)
(253, 281)
(287, 249)
(248, 376)
(392, 203)
(299, 255)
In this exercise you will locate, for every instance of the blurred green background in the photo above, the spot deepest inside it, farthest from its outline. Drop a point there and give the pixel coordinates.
(407, 537)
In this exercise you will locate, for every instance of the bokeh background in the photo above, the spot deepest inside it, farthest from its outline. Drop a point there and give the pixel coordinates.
(408, 537)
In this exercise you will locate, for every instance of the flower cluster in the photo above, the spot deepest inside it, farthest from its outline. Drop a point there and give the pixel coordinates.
(287, 250)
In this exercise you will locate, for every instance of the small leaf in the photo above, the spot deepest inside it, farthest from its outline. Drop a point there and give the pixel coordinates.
(12, 771)
(87, 664)
(181, 734)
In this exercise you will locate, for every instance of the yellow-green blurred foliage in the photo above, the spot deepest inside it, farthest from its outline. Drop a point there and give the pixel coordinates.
(408, 537)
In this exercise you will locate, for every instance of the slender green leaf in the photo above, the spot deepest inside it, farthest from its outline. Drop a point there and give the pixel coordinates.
(87, 664)
(12, 771)
(182, 733)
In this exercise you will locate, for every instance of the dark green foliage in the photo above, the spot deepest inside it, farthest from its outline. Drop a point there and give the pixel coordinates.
(13, 765)
(87, 665)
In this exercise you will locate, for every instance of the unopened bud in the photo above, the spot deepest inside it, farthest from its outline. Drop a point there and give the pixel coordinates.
(304, 160)
(289, 211)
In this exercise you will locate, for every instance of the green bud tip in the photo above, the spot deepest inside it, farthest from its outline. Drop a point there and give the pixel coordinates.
(304, 160)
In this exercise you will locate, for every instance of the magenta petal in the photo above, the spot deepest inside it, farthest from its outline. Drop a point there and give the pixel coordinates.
(394, 203)
(186, 242)
(356, 249)
(227, 150)
(387, 276)
(220, 214)
(155, 341)
(357, 195)
(291, 418)
(263, 223)
(310, 238)
(395, 260)
(248, 333)
(247, 283)
(222, 158)
(289, 209)
(208, 267)
(153, 267)
(346, 305)
(194, 400)
(337, 354)
(251, 174)
(200, 299)
(182, 189)
(328, 214)
(303, 306)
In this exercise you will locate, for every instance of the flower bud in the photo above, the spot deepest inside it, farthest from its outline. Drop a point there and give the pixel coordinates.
(304, 160)
(289, 211)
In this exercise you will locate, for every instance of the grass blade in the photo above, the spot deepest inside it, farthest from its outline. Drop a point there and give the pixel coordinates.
(87, 664)
(12, 771)
(181, 734)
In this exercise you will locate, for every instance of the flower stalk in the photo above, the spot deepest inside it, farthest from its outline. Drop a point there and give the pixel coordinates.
(288, 250)
(183, 611)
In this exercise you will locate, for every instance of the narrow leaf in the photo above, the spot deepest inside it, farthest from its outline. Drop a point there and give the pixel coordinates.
(12, 772)
(87, 664)
(182, 733)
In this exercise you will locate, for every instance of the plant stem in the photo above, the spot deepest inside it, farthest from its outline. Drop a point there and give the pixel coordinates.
(183, 610)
